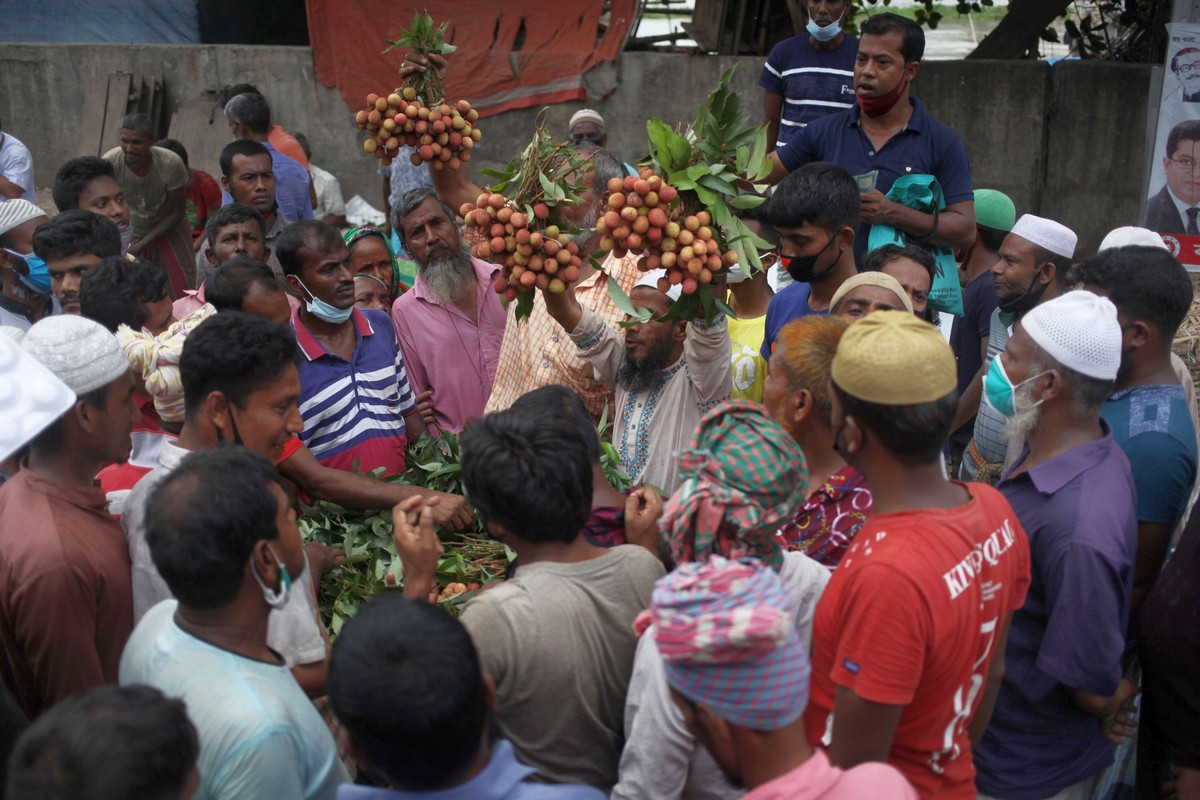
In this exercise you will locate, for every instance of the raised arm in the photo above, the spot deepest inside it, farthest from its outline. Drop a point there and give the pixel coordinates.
(453, 186)
(599, 344)
(709, 354)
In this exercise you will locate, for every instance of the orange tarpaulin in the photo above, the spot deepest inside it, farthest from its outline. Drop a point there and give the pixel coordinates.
(561, 41)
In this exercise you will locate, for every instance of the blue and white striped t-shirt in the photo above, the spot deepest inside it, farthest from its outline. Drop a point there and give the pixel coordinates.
(814, 83)
(354, 410)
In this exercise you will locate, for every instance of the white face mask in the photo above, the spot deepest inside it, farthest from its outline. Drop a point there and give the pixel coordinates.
(737, 273)
(275, 599)
(826, 34)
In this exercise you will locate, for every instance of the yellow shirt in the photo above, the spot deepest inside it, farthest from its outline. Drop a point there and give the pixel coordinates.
(749, 368)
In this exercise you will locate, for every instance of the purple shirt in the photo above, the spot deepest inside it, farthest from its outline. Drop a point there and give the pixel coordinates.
(448, 353)
(1078, 510)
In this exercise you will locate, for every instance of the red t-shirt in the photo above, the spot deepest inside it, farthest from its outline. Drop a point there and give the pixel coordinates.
(147, 437)
(910, 618)
(290, 449)
(203, 200)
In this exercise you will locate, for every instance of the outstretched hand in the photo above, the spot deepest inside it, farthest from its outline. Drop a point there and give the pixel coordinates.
(451, 511)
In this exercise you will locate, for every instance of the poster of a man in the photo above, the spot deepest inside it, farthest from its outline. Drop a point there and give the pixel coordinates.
(1174, 208)
(1186, 66)
(1173, 183)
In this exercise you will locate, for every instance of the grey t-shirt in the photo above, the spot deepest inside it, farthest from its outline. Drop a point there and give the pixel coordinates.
(558, 641)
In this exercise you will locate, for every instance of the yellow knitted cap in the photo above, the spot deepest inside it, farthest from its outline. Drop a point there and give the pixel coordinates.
(894, 359)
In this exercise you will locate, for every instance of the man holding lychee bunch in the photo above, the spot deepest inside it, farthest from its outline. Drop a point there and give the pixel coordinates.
(666, 373)
(535, 353)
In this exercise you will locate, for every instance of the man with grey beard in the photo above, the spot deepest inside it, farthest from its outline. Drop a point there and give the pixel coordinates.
(535, 353)
(452, 322)
(1062, 699)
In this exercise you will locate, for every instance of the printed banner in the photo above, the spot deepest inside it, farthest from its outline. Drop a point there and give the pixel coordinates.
(1173, 194)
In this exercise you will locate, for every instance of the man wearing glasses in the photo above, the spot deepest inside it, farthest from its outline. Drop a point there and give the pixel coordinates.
(1186, 66)
(1174, 208)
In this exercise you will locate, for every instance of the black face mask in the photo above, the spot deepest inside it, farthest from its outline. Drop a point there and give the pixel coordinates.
(803, 269)
(237, 437)
(1024, 302)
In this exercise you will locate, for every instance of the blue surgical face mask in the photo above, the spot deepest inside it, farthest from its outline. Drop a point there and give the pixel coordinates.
(38, 278)
(323, 311)
(1000, 392)
(826, 34)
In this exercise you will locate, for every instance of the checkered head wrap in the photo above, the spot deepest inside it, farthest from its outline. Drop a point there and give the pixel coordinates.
(742, 477)
(727, 637)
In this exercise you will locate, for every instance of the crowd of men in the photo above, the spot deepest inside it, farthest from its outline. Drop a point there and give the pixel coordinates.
(872, 550)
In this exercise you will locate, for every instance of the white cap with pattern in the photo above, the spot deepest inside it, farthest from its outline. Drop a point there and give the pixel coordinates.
(1132, 235)
(650, 280)
(1080, 331)
(31, 397)
(1047, 234)
(79, 351)
(17, 212)
(585, 115)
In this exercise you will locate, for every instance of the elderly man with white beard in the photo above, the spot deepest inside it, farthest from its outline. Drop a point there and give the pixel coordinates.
(536, 352)
(1073, 492)
(451, 324)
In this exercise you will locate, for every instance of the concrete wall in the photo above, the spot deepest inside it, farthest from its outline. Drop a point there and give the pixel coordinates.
(1065, 141)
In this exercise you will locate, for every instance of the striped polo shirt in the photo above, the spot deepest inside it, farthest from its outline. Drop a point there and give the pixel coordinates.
(354, 410)
(814, 83)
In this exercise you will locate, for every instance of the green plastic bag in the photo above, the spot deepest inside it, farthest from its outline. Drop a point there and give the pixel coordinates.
(923, 193)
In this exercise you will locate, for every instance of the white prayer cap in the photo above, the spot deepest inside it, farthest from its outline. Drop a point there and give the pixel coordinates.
(31, 397)
(79, 351)
(1080, 331)
(12, 332)
(650, 279)
(17, 212)
(1047, 234)
(1132, 235)
(585, 115)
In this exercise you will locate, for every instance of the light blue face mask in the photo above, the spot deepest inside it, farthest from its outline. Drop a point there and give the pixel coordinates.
(826, 34)
(1000, 392)
(323, 311)
(38, 278)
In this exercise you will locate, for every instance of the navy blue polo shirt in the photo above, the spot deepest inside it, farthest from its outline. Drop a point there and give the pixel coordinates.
(925, 147)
